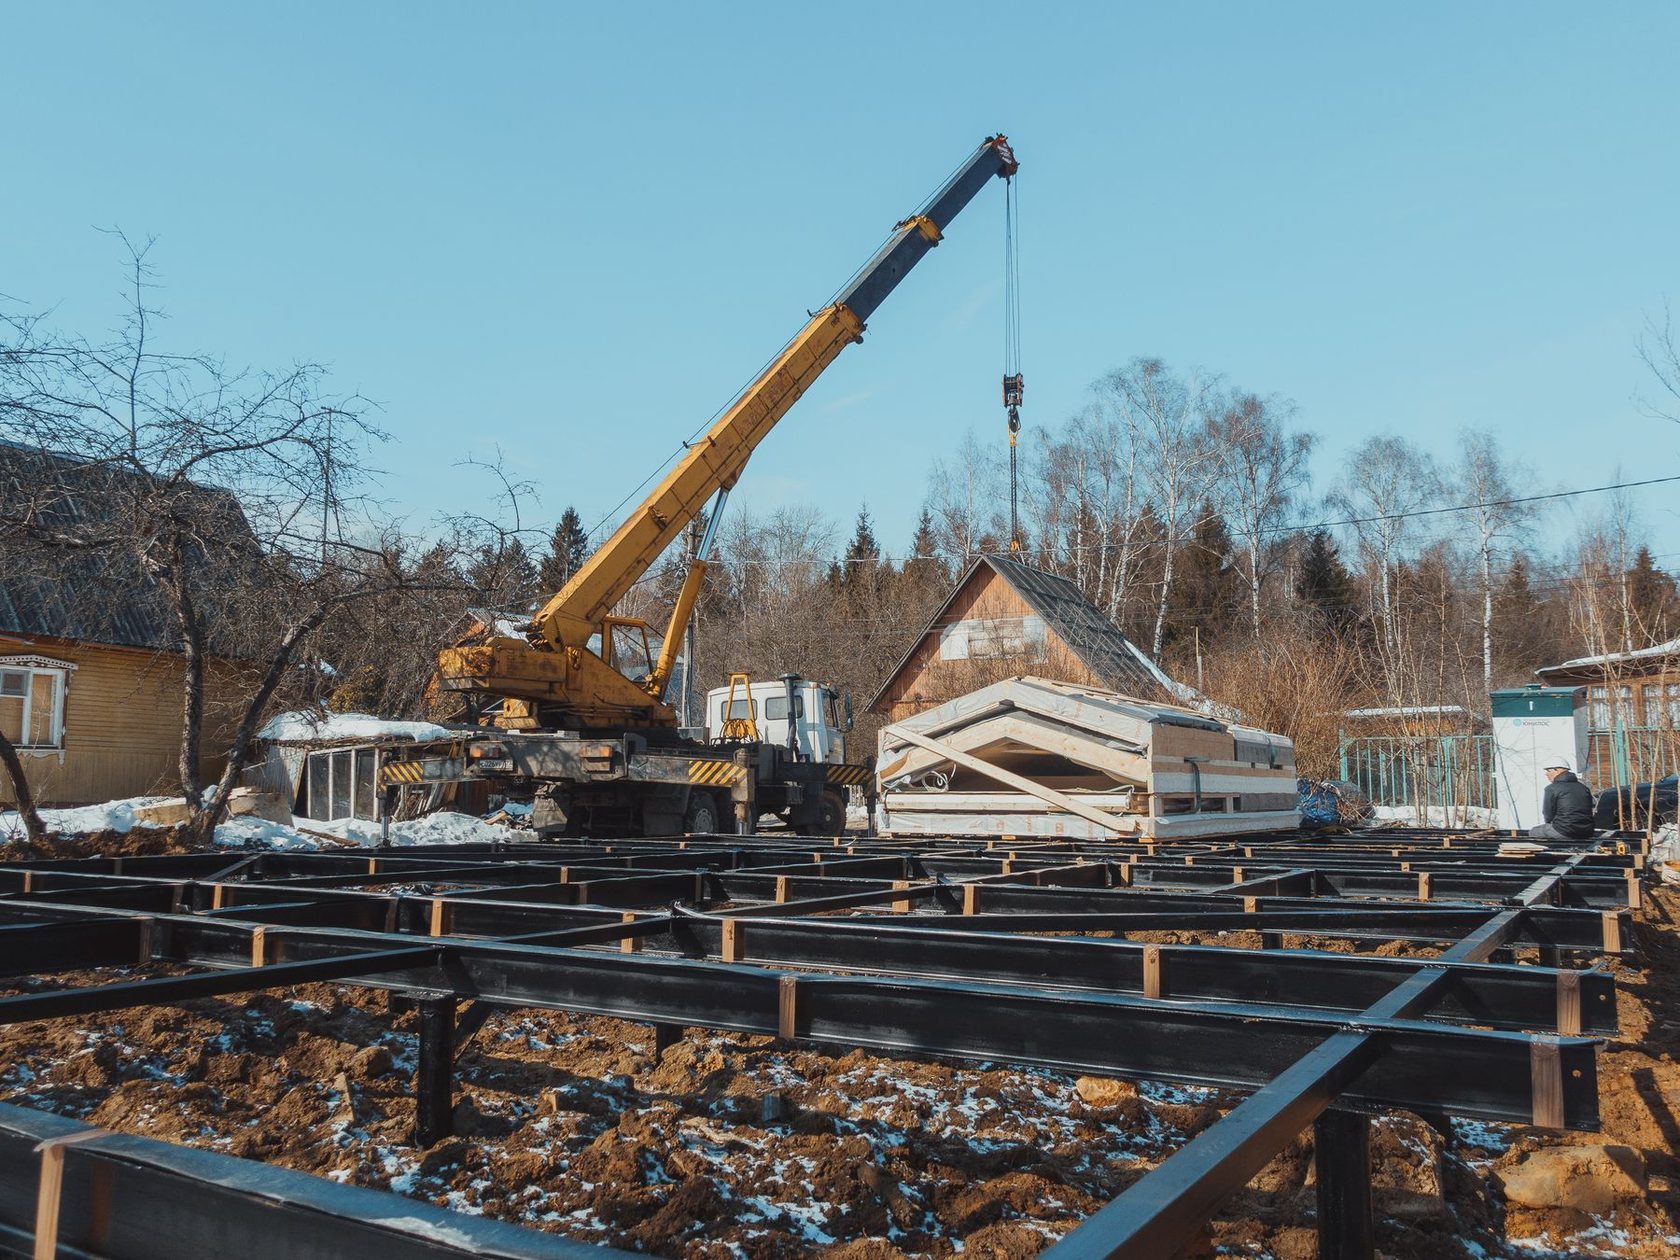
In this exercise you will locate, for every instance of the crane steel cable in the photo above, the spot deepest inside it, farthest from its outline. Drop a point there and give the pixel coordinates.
(1013, 386)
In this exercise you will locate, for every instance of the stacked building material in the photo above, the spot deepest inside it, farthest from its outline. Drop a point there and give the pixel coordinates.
(1033, 757)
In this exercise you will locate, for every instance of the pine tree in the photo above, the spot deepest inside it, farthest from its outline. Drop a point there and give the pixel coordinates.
(1652, 600)
(1521, 636)
(1323, 586)
(568, 548)
(925, 565)
(1207, 593)
(436, 567)
(504, 576)
(863, 555)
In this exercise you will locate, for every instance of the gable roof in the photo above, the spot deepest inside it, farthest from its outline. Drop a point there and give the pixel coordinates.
(1114, 660)
(102, 594)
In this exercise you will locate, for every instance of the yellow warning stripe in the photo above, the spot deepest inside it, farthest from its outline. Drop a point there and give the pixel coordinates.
(715, 773)
(402, 772)
(847, 774)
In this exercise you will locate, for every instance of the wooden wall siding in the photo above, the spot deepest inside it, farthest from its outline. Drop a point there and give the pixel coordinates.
(122, 725)
(926, 680)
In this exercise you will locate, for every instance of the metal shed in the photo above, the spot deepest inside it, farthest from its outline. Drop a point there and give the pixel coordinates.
(1034, 757)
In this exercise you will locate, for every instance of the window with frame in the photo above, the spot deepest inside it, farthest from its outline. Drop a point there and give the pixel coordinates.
(776, 708)
(341, 784)
(32, 692)
(1599, 707)
(993, 638)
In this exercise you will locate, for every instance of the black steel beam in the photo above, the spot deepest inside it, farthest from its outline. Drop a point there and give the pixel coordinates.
(1154, 1215)
(32, 949)
(134, 1198)
(60, 1003)
(1342, 1162)
(1499, 997)
(1228, 1045)
(434, 1080)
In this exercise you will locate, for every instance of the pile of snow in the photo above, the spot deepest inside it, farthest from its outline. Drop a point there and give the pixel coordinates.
(443, 827)
(1437, 815)
(305, 727)
(111, 816)
(251, 832)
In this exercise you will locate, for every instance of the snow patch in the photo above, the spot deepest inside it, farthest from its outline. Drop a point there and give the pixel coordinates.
(111, 816)
(303, 727)
(1436, 815)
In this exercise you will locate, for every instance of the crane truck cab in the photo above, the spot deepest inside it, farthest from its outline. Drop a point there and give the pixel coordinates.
(820, 716)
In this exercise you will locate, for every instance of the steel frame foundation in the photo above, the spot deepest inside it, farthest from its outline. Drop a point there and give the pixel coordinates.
(910, 948)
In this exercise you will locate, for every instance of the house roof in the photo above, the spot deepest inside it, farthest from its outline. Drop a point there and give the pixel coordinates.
(1654, 653)
(1114, 660)
(100, 594)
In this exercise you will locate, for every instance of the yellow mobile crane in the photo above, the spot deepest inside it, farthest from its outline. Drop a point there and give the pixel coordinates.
(593, 731)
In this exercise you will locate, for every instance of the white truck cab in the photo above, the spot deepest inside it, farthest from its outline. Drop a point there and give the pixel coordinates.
(821, 718)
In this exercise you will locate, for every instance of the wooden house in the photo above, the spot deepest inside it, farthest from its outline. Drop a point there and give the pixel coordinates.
(1633, 711)
(1005, 619)
(90, 671)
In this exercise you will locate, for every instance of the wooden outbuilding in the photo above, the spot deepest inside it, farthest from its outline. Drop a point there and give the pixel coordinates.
(1004, 619)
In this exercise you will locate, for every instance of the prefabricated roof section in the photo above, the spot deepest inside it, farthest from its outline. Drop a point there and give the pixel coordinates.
(1028, 754)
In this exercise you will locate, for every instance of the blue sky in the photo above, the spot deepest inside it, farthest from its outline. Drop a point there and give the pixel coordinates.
(573, 231)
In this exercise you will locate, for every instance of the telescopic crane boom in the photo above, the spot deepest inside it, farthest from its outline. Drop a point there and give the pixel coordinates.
(554, 671)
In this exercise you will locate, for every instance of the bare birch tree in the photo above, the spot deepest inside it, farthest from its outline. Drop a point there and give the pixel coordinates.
(1486, 485)
(969, 497)
(1165, 415)
(1387, 482)
(1658, 351)
(1262, 467)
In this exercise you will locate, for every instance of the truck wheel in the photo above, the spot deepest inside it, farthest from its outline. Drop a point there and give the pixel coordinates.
(702, 818)
(831, 815)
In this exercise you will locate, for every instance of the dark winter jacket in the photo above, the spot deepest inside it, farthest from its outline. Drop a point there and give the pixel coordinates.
(1568, 806)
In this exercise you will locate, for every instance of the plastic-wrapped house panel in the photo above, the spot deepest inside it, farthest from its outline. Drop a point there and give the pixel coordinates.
(1034, 757)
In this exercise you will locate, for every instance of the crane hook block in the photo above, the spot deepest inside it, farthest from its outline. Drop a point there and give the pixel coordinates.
(1013, 387)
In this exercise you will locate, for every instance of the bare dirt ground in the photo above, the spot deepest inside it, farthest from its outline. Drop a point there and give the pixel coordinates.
(735, 1145)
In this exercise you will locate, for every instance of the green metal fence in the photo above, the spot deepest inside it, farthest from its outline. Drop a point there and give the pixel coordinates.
(1622, 755)
(1426, 772)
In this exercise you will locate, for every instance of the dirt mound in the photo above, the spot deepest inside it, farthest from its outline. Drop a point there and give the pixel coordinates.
(137, 842)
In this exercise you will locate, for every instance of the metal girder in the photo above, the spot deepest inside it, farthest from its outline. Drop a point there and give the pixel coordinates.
(1498, 997)
(1229, 1045)
(58, 1003)
(122, 1197)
